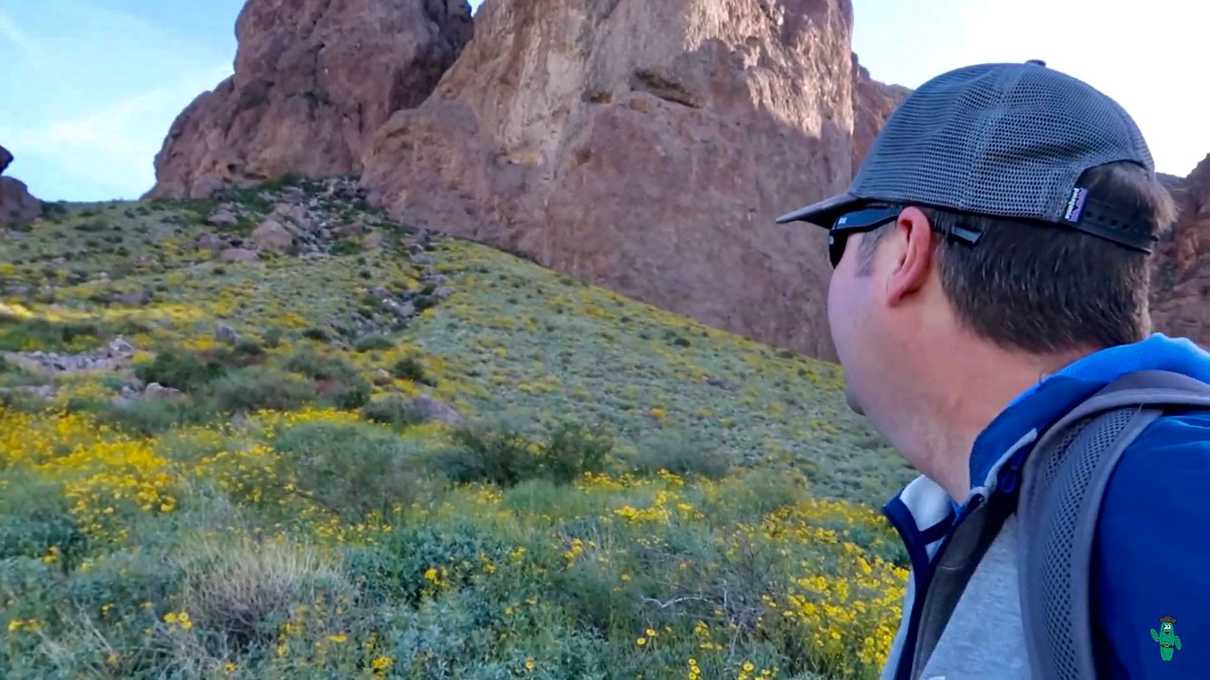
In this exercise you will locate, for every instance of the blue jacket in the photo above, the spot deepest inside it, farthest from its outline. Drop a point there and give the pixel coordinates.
(1151, 556)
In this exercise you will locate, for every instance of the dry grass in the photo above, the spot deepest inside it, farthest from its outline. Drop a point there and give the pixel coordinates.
(245, 590)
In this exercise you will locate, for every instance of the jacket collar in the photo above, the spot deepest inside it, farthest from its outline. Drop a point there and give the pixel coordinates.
(923, 512)
(1040, 406)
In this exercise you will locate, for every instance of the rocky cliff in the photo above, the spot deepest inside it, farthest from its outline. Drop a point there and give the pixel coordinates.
(873, 104)
(17, 206)
(646, 146)
(313, 80)
(1180, 298)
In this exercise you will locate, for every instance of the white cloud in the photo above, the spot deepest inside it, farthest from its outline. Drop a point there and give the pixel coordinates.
(111, 149)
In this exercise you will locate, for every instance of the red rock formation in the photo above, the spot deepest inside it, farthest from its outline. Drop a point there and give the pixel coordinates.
(313, 80)
(1180, 292)
(17, 206)
(645, 146)
(873, 104)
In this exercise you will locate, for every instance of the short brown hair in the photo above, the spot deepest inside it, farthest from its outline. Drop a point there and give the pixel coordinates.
(1043, 288)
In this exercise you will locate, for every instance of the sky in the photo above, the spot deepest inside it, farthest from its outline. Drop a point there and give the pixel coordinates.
(89, 88)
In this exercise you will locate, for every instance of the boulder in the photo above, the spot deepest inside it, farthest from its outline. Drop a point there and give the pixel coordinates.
(272, 235)
(293, 213)
(17, 206)
(644, 146)
(157, 392)
(211, 242)
(238, 255)
(313, 79)
(403, 310)
(226, 334)
(119, 348)
(223, 217)
(427, 408)
(5, 159)
(135, 298)
(372, 240)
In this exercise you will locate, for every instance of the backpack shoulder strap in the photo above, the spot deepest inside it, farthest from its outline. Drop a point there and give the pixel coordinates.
(1063, 484)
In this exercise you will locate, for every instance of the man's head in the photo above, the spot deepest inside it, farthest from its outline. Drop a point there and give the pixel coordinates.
(1022, 287)
(999, 228)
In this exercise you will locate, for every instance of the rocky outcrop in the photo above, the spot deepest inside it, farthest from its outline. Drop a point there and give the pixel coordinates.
(1180, 295)
(17, 206)
(118, 353)
(313, 80)
(873, 104)
(645, 146)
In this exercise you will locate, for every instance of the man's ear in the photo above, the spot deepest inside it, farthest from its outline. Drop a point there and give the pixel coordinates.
(914, 255)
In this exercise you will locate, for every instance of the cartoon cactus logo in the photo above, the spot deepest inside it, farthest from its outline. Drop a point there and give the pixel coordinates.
(1169, 641)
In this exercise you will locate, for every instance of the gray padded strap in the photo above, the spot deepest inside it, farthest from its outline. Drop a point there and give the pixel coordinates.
(1063, 484)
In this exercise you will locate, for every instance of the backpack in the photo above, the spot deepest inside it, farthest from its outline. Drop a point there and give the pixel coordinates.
(1064, 481)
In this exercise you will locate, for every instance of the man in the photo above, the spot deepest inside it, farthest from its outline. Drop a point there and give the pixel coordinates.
(991, 274)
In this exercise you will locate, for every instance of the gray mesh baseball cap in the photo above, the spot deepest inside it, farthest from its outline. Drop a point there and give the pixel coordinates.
(1007, 140)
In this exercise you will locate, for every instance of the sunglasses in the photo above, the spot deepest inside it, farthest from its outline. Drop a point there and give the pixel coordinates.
(870, 218)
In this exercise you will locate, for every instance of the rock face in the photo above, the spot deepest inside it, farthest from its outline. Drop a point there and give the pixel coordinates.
(313, 80)
(17, 206)
(1180, 297)
(873, 104)
(645, 146)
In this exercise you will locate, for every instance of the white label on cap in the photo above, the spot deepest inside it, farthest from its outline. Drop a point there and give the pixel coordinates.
(1075, 204)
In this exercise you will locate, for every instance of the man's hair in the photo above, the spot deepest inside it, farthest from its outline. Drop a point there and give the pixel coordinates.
(1044, 288)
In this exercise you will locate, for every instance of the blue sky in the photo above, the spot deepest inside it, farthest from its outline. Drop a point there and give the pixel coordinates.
(89, 88)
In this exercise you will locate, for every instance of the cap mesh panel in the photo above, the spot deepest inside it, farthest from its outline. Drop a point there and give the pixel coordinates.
(998, 139)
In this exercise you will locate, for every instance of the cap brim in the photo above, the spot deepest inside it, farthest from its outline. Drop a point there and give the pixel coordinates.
(823, 213)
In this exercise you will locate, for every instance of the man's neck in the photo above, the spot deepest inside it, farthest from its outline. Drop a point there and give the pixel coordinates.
(968, 393)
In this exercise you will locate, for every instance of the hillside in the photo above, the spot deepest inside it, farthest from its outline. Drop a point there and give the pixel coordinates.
(276, 432)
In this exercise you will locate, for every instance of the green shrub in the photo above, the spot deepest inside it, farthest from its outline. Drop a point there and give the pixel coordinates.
(574, 449)
(391, 410)
(272, 337)
(488, 454)
(394, 570)
(317, 334)
(18, 335)
(373, 342)
(260, 387)
(249, 348)
(340, 384)
(150, 416)
(681, 453)
(351, 470)
(410, 368)
(34, 517)
(317, 366)
(500, 455)
(349, 394)
(182, 370)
